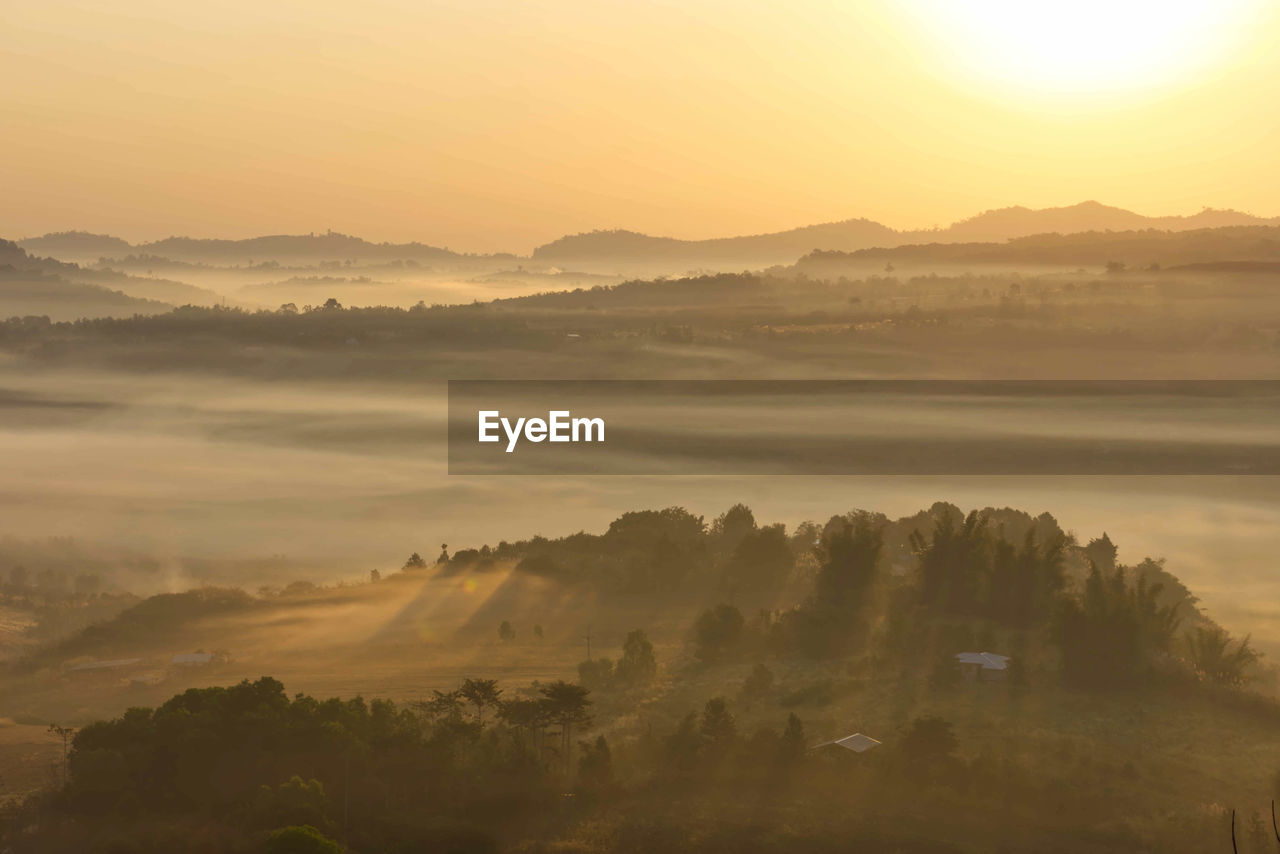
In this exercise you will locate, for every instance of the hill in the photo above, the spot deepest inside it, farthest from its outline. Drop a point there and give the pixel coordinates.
(65, 291)
(620, 250)
(758, 249)
(75, 245)
(292, 248)
(280, 248)
(24, 294)
(1118, 703)
(630, 248)
(1014, 222)
(1094, 248)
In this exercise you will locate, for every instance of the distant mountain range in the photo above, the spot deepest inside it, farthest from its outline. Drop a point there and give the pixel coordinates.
(282, 248)
(1224, 249)
(778, 247)
(857, 234)
(31, 285)
(1009, 223)
(616, 251)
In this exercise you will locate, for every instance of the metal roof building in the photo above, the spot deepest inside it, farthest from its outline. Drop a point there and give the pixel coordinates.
(856, 743)
(984, 665)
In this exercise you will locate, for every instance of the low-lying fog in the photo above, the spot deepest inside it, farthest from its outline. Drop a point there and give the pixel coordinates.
(332, 481)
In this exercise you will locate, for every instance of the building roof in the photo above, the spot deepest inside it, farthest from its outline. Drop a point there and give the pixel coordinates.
(858, 743)
(987, 660)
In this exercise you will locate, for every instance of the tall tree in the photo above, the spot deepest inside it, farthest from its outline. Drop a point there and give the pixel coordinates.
(481, 693)
(637, 666)
(566, 704)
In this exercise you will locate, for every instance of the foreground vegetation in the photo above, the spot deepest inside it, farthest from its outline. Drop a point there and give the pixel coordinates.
(1126, 721)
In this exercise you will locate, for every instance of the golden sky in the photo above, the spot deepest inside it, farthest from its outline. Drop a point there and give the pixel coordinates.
(500, 124)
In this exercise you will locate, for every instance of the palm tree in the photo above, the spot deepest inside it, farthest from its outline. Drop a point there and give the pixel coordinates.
(1213, 658)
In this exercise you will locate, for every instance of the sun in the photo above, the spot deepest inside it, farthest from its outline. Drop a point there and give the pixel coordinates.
(1084, 46)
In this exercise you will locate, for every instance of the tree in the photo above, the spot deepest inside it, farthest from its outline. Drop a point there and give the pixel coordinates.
(758, 682)
(1102, 552)
(415, 561)
(928, 746)
(1108, 636)
(717, 633)
(662, 546)
(481, 693)
(295, 802)
(793, 740)
(527, 715)
(374, 576)
(506, 632)
(566, 704)
(301, 839)
(833, 622)
(637, 666)
(684, 744)
(595, 767)
(718, 729)
(1025, 582)
(955, 563)
(850, 552)
(760, 562)
(442, 706)
(733, 525)
(1211, 655)
(537, 631)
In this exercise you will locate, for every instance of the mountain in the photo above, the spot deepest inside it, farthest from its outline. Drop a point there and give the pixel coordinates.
(75, 245)
(293, 249)
(753, 250)
(30, 285)
(147, 287)
(1007, 223)
(31, 294)
(281, 248)
(629, 252)
(1224, 248)
(628, 248)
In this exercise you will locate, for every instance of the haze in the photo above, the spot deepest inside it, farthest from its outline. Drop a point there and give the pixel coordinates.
(250, 254)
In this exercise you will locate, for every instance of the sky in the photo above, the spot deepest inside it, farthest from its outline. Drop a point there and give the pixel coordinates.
(487, 125)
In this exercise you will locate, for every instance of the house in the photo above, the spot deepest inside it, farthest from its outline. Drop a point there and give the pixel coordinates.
(983, 666)
(843, 747)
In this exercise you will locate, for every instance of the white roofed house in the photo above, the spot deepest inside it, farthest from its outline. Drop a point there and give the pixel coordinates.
(983, 666)
(840, 748)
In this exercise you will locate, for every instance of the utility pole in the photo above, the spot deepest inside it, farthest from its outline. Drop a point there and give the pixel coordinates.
(588, 639)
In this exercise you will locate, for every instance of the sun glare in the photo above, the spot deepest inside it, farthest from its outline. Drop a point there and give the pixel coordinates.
(1085, 46)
